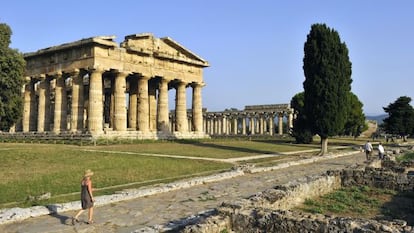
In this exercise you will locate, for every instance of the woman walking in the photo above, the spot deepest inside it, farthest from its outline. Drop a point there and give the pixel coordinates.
(87, 199)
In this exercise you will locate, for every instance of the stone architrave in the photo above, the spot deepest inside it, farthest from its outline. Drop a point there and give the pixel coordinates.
(120, 115)
(95, 109)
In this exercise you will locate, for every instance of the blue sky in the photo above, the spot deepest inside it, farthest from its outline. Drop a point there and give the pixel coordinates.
(255, 48)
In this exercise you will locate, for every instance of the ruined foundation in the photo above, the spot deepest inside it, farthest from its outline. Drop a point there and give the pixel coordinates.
(271, 210)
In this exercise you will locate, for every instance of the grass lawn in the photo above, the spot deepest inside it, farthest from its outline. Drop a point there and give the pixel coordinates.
(31, 169)
(363, 202)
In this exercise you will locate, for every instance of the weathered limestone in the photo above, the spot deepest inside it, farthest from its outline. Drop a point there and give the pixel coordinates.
(60, 113)
(113, 90)
(197, 108)
(181, 109)
(120, 101)
(95, 109)
(163, 115)
(77, 102)
(253, 120)
(143, 104)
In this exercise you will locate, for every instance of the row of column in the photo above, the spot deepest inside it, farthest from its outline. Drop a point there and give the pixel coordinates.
(247, 124)
(87, 105)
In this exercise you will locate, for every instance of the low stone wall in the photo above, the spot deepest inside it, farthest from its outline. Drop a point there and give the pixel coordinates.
(269, 211)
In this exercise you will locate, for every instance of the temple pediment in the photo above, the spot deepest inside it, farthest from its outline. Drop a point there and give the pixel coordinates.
(162, 48)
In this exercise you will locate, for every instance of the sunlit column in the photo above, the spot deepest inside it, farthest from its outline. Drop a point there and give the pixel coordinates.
(271, 124)
(244, 125)
(120, 115)
(162, 116)
(28, 108)
(180, 108)
(60, 113)
(290, 120)
(95, 109)
(43, 118)
(143, 104)
(235, 126)
(77, 102)
(280, 123)
(197, 108)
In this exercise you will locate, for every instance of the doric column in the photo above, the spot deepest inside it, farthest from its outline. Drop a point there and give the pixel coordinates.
(143, 104)
(95, 108)
(152, 101)
(290, 120)
(244, 125)
(252, 125)
(43, 115)
(235, 126)
(120, 114)
(224, 125)
(271, 124)
(163, 119)
(133, 97)
(180, 108)
(60, 113)
(28, 108)
(197, 108)
(280, 123)
(77, 102)
(261, 124)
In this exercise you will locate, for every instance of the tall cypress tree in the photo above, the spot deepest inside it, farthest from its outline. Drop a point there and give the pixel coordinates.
(327, 84)
(12, 67)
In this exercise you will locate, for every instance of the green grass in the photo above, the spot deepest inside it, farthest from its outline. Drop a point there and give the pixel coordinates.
(350, 201)
(31, 169)
(405, 157)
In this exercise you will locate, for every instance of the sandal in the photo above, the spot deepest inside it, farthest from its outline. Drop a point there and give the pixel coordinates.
(90, 222)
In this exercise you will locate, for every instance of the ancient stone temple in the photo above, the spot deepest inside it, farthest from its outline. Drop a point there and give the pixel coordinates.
(98, 87)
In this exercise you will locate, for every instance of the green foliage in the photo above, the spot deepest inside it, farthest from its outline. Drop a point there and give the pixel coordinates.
(12, 67)
(328, 81)
(355, 123)
(301, 132)
(400, 120)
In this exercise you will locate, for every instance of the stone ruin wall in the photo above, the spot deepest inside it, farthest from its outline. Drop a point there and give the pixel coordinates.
(270, 210)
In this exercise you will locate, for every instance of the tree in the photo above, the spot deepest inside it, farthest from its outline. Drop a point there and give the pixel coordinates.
(301, 132)
(400, 120)
(12, 67)
(327, 84)
(355, 123)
